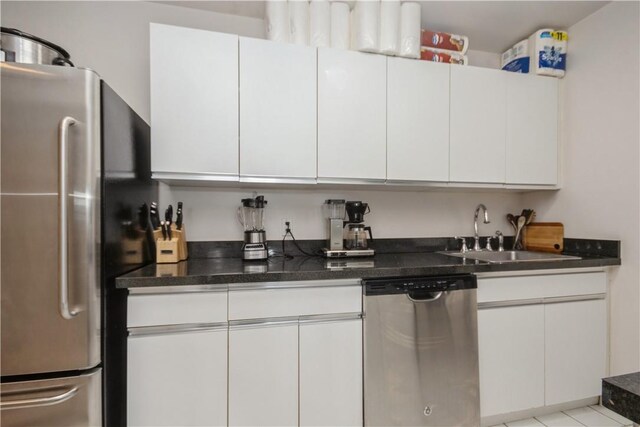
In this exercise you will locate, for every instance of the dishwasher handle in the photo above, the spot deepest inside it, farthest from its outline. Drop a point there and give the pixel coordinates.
(419, 295)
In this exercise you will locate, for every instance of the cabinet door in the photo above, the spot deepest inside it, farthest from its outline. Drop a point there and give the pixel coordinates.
(417, 120)
(263, 376)
(177, 379)
(194, 102)
(277, 109)
(511, 355)
(331, 373)
(351, 115)
(532, 129)
(478, 125)
(576, 350)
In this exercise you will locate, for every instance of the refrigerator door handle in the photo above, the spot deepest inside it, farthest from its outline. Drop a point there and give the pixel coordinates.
(67, 393)
(63, 217)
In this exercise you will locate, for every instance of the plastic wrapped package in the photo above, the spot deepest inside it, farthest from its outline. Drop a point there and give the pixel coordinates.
(340, 25)
(446, 41)
(390, 27)
(299, 22)
(276, 19)
(444, 56)
(366, 26)
(410, 30)
(320, 23)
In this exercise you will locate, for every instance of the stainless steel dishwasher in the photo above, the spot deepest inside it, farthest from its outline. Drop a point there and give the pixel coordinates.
(421, 351)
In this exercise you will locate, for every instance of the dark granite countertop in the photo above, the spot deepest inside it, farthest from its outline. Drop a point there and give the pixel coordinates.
(229, 270)
(621, 394)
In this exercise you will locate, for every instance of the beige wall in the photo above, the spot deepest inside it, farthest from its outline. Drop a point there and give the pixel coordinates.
(600, 194)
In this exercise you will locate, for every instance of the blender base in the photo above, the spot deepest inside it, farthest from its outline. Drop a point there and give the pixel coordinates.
(255, 251)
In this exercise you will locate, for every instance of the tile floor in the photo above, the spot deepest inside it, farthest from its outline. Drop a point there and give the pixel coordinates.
(590, 416)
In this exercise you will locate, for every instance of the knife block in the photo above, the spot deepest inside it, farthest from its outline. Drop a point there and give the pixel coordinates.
(182, 237)
(167, 251)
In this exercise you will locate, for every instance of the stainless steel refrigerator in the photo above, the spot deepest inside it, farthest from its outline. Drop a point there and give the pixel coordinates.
(75, 172)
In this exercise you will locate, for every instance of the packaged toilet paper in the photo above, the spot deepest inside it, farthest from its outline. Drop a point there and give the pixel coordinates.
(320, 23)
(446, 41)
(299, 22)
(340, 25)
(548, 52)
(516, 58)
(447, 57)
(410, 14)
(276, 19)
(366, 26)
(390, 27)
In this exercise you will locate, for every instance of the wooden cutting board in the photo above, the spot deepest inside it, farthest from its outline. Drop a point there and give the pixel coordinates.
(544, 237)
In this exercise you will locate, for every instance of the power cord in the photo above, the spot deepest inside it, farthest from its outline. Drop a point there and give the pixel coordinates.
(287, 232)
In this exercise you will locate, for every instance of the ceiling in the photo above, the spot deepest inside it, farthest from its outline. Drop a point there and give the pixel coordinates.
(491, 26)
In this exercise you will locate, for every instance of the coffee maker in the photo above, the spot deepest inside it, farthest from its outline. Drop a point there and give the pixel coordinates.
(251, 216)
(347, 238)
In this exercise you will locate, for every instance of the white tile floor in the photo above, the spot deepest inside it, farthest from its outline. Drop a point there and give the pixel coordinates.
(589, 416)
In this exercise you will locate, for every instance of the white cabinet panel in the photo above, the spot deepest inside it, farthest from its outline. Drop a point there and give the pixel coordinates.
(331, 373)
(478, 125)
(511, 355)
(262, 303)
(177, 379)
(532, 129)
(277, 109)
(194, 101)
(417, 120)
(263, 376)
(176, 308)
(576, 350)
(351, 115)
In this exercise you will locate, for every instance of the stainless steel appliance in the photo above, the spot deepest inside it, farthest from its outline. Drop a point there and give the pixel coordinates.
(421, 351)
(75, 167)
(21, 47)
(347, 238)
(251, 216)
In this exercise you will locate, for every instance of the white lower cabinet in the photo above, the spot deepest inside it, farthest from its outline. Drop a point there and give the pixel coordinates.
(263, 375)
(576, 350)
(177, 379)
(542, 340)
(511, 356)
(331, 373)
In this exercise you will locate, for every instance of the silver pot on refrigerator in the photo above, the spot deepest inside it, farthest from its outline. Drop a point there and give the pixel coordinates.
(24, 48)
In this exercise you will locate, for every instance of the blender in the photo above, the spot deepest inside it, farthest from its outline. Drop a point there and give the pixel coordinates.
(251, 216)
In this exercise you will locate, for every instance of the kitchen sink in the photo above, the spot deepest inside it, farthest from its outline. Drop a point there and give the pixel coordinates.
(511, 256)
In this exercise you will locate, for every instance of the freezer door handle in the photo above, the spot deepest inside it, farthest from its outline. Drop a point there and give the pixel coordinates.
(62, 394)
(63, 217)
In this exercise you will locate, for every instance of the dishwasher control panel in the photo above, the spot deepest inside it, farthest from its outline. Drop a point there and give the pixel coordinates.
(408, 285)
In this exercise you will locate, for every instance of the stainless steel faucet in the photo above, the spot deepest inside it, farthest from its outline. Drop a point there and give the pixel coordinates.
(476, 245)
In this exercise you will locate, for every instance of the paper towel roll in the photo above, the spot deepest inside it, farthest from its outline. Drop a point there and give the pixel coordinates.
(340, 25)
(299, 22)
(366, 26)
(276, 19)
(410, 30)
(548, 52)
(320, 23)
(390, 27)
(351, 3)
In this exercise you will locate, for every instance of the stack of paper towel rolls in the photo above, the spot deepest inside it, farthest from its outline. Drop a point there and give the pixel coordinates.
(443, 47)
(390, 27)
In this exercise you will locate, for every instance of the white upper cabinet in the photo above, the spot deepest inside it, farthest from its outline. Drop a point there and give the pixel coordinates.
(351, 115)
(478, 125)
(277, 109)
(194, 102)
(417, 120)
(532, 129)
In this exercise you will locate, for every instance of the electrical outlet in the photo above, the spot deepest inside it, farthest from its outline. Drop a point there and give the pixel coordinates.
(285, 226)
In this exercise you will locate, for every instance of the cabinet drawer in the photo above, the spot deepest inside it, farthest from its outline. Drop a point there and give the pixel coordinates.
(292, 299)
(543, 286)
(176, 308)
